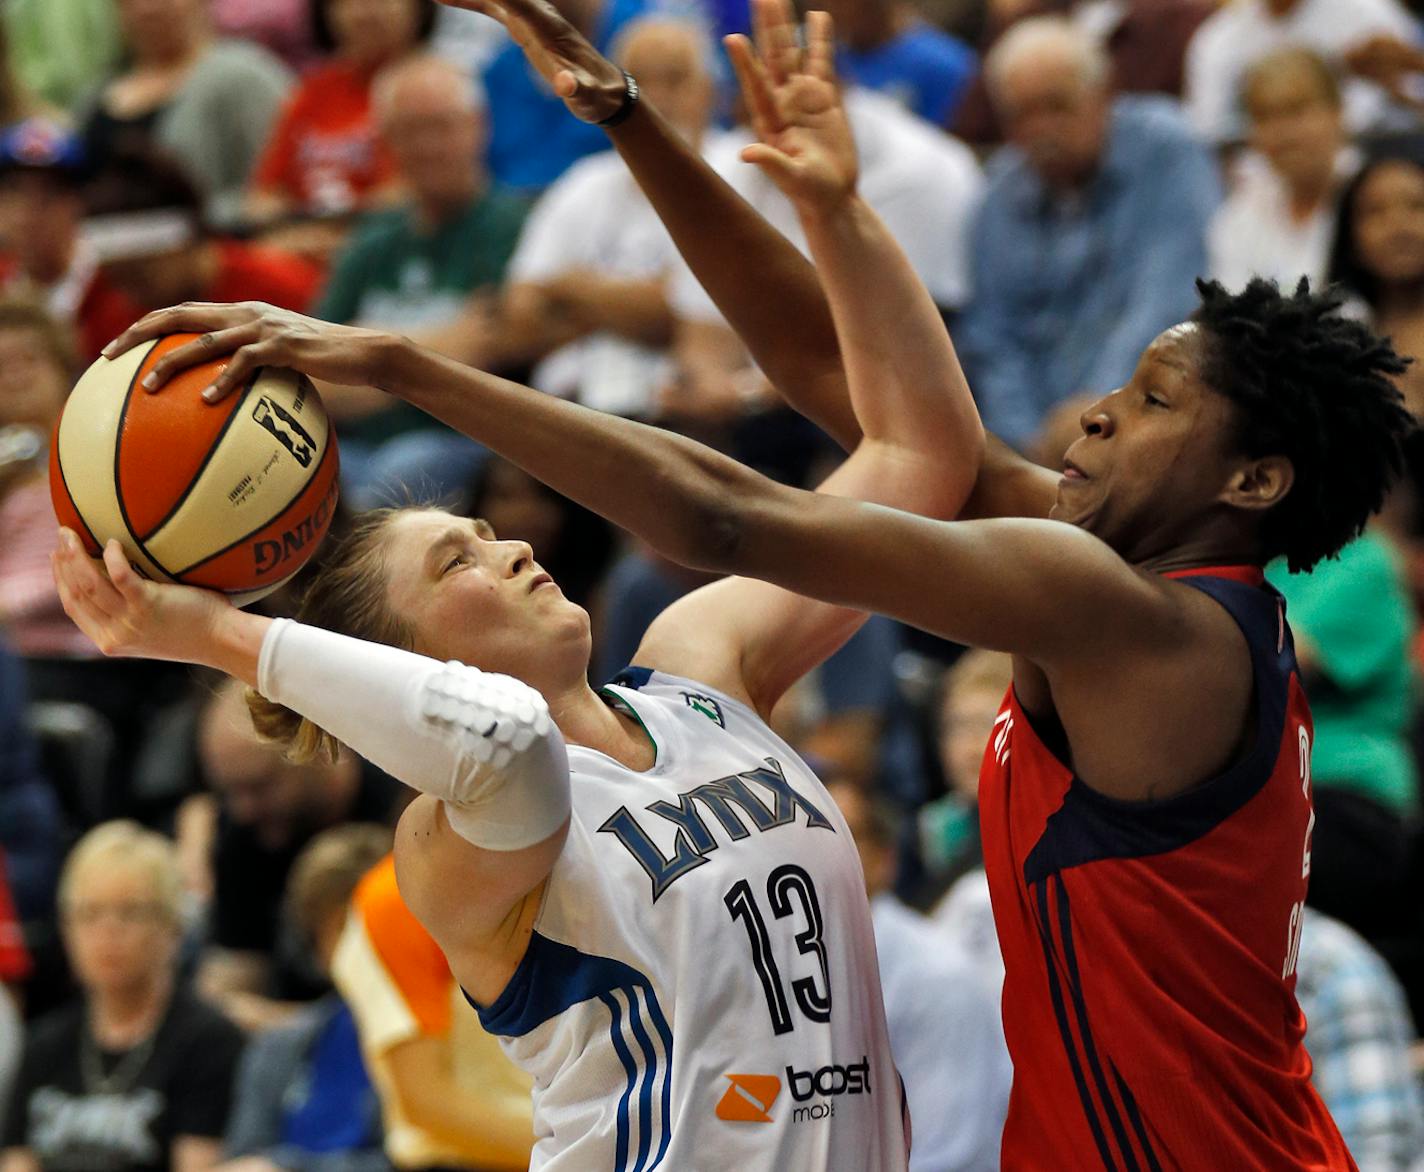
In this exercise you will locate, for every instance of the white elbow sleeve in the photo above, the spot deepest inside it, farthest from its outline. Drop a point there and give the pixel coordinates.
(484, 744)
(510, 783)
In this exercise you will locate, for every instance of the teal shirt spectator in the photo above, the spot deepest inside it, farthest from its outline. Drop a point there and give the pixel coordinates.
(1068, 291)
(1354, 624)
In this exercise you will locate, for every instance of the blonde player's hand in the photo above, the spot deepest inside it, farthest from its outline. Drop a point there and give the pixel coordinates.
(251, 334)
(805, 146)
(125, 615)
(592, 87)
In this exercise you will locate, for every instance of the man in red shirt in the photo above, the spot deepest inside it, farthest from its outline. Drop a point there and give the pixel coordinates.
(146, 229)
(42, 171)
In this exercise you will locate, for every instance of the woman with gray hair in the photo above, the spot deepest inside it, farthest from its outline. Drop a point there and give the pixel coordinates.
(136, 1075)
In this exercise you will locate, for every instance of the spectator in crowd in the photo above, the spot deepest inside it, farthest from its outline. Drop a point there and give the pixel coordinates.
(467, 38)
(944, 1021)
(17, 100)
(136, 1075)
(1092, 226)
(532, 139)
(887, 45)
(1359, 1038)
(574, 545)
(36, 368)
(1239, 34)
(421, 268)
(1353, 626)
(450, 1096)
(587, 286)
(1145, 40)
(42, 172)
(325, 156)
(1279, 222)
(304, 1100)
(57, 48)
(283, 26)
(269, 809)
(971, 693)
(30, 828)
(209, 102)
(1379, 253)
(14, 968)
(148, 232)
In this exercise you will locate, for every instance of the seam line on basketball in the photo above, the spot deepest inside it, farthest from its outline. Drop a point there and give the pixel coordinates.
(118, 445)
(329, 453)
(242, 395)
(73, 505)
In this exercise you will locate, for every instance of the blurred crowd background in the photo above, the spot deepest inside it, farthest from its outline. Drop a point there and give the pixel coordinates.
(205, 960)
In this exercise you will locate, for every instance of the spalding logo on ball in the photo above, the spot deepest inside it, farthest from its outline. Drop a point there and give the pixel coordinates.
(233, 497)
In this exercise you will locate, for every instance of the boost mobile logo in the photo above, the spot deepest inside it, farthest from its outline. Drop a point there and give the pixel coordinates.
(749, 1098)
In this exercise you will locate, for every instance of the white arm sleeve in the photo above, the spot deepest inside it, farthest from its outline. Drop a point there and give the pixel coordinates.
(484, 744)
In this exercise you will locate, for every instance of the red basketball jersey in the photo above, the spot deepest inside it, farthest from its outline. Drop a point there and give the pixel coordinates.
(1149, 948)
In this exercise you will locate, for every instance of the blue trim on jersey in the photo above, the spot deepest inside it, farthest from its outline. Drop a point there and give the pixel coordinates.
(1068, 959)
(645, 1093)
(1090, 826)
(632, 678)
(620, 1047)
(1134, 1116)
(1085, 1029)
(551, 979)
(1065, 1031)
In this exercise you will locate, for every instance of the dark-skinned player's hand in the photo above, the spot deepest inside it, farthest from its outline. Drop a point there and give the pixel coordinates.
(591, 86)
(250, 335)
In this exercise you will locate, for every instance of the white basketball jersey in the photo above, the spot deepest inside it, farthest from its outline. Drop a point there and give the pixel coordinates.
(701, 990)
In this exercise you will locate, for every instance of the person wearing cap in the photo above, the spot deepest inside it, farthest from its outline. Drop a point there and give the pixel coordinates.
(42, 168)
(147, 232)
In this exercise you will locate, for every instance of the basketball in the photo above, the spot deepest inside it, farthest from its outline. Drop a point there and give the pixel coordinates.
(233, 496)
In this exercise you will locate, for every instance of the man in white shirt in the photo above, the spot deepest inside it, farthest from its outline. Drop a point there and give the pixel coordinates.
(1240, 33)
(1279, 222)
(945, 1029)
(587, 285)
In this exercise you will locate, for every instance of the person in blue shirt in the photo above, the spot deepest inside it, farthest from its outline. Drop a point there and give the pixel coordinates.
(532, 139)
(1092, 228)
(30, 820)
(887, 46)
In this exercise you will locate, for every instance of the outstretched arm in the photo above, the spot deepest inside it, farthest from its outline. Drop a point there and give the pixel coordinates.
(760, 283)
(484, 745)
(1000, 584)
(922, 442)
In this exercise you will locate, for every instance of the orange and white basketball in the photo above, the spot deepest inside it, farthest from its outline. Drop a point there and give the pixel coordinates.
(234, 496)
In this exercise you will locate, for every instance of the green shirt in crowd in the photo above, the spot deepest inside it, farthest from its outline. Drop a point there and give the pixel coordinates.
(1354, 623)
(396, 274)
(61, 50)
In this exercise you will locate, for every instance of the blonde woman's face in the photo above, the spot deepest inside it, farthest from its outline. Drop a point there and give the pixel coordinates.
(469, 596)
(117, 929)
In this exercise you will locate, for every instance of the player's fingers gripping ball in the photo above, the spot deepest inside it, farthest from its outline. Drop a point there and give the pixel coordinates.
(234, 496)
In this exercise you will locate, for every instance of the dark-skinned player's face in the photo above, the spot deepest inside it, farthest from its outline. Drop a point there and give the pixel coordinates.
(1155, 456)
